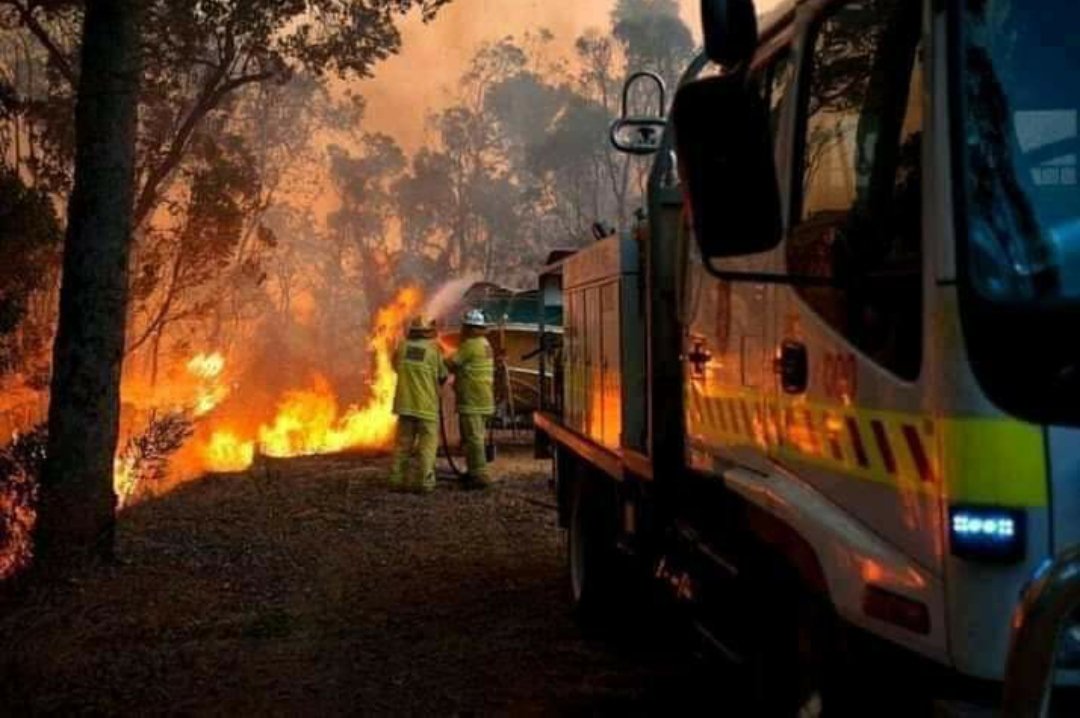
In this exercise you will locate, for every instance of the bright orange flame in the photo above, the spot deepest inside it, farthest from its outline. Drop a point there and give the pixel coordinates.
(196, 398)
(208, 368)
(309, 421)
(124, 478)
(226, 452)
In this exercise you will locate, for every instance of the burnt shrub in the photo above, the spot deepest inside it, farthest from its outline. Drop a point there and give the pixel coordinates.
(21, 462)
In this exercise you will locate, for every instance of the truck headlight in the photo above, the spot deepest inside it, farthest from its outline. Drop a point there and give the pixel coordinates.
(987, 534)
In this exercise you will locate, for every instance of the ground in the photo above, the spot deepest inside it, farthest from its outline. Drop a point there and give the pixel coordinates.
(304, 587)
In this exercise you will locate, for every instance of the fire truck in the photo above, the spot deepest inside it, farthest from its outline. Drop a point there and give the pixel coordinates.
(827, 390)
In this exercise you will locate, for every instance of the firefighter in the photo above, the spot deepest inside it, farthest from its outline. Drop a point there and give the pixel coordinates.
(473, 365)
(420, 370)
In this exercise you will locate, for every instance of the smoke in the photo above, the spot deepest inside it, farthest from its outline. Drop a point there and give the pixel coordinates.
(409, 87)
(448, 297)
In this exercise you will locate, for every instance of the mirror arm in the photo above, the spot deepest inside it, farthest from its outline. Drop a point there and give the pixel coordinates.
(630, 83)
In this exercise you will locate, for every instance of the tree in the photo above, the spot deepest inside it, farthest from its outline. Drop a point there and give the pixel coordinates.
(201, 63)
(461, 197)
(521, 162)
(29, 241)
(358, 261)
(222, 190)
(197, 56)
(77, 502)
(653, 37)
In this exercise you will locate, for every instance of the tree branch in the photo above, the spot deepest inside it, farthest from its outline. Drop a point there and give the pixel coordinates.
(210, 98)
(238, 82)
(26, 14)
(159, 320)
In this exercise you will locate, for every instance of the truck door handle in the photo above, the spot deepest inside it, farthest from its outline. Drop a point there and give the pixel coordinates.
(793, 366)
(699, 356)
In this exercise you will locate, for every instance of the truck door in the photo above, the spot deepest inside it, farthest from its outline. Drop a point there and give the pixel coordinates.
(729, 332)
(852, 414)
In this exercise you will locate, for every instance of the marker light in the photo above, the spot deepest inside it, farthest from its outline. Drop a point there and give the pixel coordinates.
(987, 534)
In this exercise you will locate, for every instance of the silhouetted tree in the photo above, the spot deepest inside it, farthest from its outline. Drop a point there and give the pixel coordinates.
(29, 244)
(77, 503)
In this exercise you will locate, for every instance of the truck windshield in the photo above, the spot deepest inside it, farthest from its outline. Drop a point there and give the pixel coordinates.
(1021, 88)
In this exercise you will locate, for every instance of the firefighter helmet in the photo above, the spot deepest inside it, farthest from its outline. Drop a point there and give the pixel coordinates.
(421, 325)
(474, 318)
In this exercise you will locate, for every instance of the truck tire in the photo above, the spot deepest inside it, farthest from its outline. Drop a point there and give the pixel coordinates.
(795, 662)
(592, 559)
(812, 693)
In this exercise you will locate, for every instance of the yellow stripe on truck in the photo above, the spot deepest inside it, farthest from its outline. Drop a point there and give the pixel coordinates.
(967, 460)
(1000, 462)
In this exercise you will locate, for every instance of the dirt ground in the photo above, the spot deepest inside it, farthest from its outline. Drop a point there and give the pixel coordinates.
(307, 588)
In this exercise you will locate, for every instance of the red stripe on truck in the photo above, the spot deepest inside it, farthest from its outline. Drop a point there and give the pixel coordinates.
(856, 442)
(918, 454)
(884, 447)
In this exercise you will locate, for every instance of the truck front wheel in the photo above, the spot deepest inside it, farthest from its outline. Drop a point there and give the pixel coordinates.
(795, 656)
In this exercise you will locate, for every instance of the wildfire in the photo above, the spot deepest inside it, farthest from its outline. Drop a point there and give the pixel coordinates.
(227, 452)
(310, 421)
(307, 421)
(206, 366)
(125, 477)
(208, 369)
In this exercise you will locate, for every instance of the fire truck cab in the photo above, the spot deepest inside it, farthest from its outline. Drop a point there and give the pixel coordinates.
(830, 384)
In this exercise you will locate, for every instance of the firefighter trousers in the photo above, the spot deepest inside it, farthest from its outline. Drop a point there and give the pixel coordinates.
(414, 453)
(473, 437)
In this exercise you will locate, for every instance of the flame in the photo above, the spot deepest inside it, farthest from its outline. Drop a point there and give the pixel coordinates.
(125, 478)
(307, 421)
(208, 368)
(227, 452)
(310, 421)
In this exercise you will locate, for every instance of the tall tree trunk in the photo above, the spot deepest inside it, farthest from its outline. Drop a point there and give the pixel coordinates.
(77, 509)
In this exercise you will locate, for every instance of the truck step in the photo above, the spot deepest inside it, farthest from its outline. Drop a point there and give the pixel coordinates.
(961, 709)
(693, 542)
(726, 652)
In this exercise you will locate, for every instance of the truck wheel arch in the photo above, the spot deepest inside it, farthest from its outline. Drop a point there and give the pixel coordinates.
(790, 548)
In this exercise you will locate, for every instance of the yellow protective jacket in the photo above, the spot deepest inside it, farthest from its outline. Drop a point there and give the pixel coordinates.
(474, 377)
(420, 370)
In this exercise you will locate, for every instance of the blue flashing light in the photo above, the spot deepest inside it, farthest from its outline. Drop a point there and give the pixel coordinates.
(989, 534)
(967, 526)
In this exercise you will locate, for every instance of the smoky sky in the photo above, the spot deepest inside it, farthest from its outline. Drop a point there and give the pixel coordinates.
(408, 87)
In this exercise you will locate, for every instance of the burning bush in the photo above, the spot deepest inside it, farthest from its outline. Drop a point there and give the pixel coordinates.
(20, 465)
(142, 461)
(145, 456)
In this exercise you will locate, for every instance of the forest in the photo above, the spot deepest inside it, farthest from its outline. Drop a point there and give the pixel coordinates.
(272, 231)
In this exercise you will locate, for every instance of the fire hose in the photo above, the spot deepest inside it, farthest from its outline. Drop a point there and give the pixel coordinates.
(458, 473)
(489, 444)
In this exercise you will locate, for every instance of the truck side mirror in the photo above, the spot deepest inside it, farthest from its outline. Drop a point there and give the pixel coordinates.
(730, 29)
(725, 164)
(640, 135)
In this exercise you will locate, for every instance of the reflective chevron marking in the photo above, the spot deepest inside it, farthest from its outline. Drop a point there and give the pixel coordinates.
(989, 460)
(884, 447)
(866, 444)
